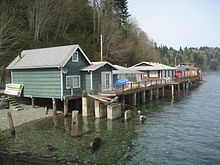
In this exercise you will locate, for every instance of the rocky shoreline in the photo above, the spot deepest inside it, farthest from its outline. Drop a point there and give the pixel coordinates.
(8, 157)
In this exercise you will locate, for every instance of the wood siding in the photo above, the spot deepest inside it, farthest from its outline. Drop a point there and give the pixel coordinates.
(97, 76)
(74, 69)
(43, 83)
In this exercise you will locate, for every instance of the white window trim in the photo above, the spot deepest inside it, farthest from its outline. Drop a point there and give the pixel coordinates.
(77, 55)
(73, 77)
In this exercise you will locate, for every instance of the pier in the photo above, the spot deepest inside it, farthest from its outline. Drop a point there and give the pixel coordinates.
(133, 94)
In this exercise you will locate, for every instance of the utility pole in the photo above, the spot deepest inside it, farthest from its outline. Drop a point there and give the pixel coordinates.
(101, 48)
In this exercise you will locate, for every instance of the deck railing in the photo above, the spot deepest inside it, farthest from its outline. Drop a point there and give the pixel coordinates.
(132, 85)
(146, 84)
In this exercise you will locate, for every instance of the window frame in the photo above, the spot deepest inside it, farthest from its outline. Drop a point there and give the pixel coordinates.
(77, 56)
(73, 76)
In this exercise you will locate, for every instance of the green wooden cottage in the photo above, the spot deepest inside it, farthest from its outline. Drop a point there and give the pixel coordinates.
(59, 72)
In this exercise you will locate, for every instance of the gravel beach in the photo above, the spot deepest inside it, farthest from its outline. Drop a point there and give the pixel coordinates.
(23, 116)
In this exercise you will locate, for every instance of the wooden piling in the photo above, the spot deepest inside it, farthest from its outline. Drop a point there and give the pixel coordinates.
(127, 115)
(85, 109)
(11, 124)
(74, 125)
(172, 89)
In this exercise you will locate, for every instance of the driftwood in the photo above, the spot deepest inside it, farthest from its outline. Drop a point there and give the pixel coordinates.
(11, 124)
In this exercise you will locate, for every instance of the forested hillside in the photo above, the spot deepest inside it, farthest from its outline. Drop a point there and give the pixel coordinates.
(203, 57)
(28, 24)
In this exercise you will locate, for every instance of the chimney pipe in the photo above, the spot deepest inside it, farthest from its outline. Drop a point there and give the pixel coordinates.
(19, 53)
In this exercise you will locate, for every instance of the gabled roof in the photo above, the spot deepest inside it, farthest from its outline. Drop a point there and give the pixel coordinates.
(124, 70)
(152, 66)
(96, 65)
(45, 57)
(188, 66)
(181, 68)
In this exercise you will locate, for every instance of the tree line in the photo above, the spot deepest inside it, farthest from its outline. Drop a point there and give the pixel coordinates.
(29, 24)
(206, 58)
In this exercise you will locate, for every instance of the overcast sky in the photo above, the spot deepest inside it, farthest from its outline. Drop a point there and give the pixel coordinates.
(175, 23)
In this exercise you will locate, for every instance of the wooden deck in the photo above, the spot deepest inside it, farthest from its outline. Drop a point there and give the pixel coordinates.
(147, 85)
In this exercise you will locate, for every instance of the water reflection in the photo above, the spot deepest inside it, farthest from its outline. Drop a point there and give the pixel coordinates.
(97, 125)
(109, 125)
(66, 124)
(85, 124)
(55, 121)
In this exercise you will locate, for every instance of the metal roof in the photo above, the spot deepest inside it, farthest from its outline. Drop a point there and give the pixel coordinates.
(45, 57)
(153, 66)
(96, 65)
(124, 70)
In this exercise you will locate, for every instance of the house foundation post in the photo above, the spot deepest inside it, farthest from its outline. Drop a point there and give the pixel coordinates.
(157, 93)
(163, 92)
(100, 110)
(178, 87)
(54, 106)
(33, 102)
(143, 97)
(134, 99)
(172, 89)
(65, 108)
(151, 94)
(123, 101)
(85, 109)
(184, 86)
(114, 111)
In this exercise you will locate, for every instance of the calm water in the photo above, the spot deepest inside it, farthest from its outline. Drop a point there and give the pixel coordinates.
(181, 131)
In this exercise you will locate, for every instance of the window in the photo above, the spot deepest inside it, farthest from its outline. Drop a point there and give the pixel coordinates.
(72, 82)
(75, 57)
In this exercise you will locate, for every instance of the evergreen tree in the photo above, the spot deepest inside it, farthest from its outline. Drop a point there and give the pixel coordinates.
(122, 9)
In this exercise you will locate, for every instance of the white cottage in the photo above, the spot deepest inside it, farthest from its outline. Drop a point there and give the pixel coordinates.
(155, 70)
